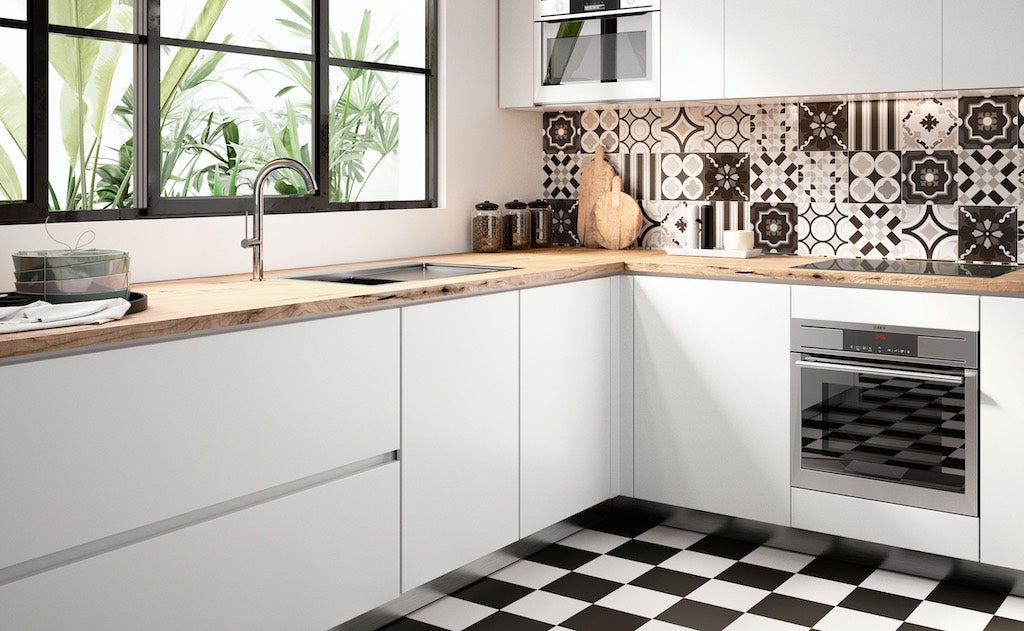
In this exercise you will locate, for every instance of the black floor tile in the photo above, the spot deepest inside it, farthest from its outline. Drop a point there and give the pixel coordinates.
(755, 576)
(1004, 624)
(880, 603)
(406, 624)
(502, 621)
(906, 626)
(563, 556)
(627, 523)
(596, 618)
(789, 609)
(840, 571)
(582, 587)
(700, 616)
(669, 581)
(644, 552)
(492, 593)
(722, 547)
(967, 597)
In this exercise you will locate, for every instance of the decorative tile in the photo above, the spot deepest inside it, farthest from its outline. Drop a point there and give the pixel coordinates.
(727, 177)
(822, 229)
(775, 127)
(774, 177)
(874, 125)
(774, 227)
(929, 177)
(664, 224)
(727, 129)
(682, 176)
(562, 132)
(562, 175)
(823, 126)
(988, 234)
(989, 122)
(875, 177)
(876, 231)
(989, 176)
(641, 176)
(563, 222)
(929, 124)
(681, 129)
(600, 127)
(637, 130)
(929, 231)
(824, 176)
(730, 216)
(1020, 239)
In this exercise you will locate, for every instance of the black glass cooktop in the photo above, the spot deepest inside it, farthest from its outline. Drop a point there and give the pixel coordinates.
(927, 268)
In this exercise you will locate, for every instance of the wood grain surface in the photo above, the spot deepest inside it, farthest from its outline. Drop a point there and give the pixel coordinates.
(595, 181)
(617, 218)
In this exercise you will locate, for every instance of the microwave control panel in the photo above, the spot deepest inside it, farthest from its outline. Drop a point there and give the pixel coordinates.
(880, 343)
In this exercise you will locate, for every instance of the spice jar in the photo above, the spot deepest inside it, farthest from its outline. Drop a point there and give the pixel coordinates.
(487, 227)
(516, 226)
(541, 215)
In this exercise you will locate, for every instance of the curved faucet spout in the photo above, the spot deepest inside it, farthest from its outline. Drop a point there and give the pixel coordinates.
(256, 241)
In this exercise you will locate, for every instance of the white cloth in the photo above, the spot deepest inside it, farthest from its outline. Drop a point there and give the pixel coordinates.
(43, 315)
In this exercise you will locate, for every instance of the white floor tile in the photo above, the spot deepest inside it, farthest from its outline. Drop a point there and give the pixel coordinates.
(900, 584)
(639, 601)
(842, 619)
(1012, 608)
(549, 608)
(594, 541)
(729, 595)
(614, 569)
(815, 589)
(529, 574)
(453, 614)
(948, 618)
(752, 622)
(697, 563)
(672, 537)
(778, 559)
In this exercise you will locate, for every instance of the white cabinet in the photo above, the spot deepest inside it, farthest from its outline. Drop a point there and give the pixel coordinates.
(96, 444)
(1002, 431)
(515, 53)
(712, 396)
(808, 47)
(692, 49)
(306, 561)
(460, 433)
(981, 44)
(564, 376)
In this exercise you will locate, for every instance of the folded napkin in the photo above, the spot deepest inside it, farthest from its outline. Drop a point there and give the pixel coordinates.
(43, 315)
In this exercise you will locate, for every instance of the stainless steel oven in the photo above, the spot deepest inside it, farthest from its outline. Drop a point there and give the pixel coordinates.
(886, 413)
(596, 50)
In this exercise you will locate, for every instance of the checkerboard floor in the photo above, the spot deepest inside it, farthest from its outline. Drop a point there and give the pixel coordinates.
(621, 576)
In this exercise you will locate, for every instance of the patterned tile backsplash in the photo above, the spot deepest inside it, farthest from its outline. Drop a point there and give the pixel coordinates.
(927, 177)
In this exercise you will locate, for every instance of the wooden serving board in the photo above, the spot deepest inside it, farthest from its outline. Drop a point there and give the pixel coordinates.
(595, 181)
(617, 218)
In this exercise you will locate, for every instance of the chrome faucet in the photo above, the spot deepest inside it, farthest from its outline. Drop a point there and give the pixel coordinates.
(256, 241)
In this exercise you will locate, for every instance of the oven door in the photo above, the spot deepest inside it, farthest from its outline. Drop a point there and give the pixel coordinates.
(886, 431)
(601, 58)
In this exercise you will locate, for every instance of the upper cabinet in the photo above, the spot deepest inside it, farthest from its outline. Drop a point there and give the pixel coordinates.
(981, 44)
(809, 47)
(692, 43)
(515, 53)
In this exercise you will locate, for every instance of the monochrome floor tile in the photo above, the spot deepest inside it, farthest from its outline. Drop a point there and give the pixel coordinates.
(874, 125)
(727, 128)
(644, 552)
(989, 176)
(928, 231)
(774, 177)
(594, 541)
(775, 128)
(546, 607)
(639, 601)
(562, 132)
(930, 124)
(561, 175)
(681, 129)
(988, 234)
(600, 127)
(989, 121)
(775, 232)
(823, 126)
(875, 177)
(929, 177)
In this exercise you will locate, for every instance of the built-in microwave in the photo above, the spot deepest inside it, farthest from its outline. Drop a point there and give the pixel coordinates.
(588, 51)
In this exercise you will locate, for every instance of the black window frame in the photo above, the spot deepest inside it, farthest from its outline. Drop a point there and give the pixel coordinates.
(147, 41)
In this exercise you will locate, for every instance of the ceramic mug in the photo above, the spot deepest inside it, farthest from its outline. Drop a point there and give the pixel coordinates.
(738, 240)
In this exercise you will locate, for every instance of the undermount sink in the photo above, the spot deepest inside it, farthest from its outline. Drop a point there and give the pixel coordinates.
(398, 273)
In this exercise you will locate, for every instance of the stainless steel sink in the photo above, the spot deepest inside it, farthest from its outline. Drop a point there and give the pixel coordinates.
(398, 273)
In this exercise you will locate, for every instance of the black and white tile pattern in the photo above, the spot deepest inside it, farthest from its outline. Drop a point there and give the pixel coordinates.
(929, 231)
(562, 175)
(824, 176)
(562, 132)
(774, 177)
(875, 177)
(989, 122)
(930, 124)
(824, 126)
(682, 176)
(929, 177)
(775, 128)
(989, 176)
(727, 129)
(988, 234)
(634, 577)
(727, 177)
(600, 127)
(823, 229)
(876, 231)
(873, 125)
(775, 227)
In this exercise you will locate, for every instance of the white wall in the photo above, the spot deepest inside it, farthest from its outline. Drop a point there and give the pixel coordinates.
(486, 153)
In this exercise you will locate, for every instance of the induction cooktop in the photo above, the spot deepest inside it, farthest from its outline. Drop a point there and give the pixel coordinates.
(927, 268)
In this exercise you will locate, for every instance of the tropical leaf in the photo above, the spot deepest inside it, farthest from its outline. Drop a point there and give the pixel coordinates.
(12, 108)
(183, 59)
(10, 183)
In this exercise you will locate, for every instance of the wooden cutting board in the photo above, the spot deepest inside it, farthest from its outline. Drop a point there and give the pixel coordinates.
(617, 218)
(595, 181)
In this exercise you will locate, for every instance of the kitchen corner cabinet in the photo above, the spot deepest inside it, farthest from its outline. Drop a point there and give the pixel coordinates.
(460, 433)
(515, 53)
(1002, 431)
(981, 44)
(692, 49)
(565, 413)
(711, 416)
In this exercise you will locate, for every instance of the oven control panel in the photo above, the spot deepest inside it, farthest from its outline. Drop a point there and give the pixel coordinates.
(577, 8)
(880, 343)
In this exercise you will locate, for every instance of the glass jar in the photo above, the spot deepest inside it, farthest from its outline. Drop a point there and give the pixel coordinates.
(487, 228)
(516, 226)
(542, 216)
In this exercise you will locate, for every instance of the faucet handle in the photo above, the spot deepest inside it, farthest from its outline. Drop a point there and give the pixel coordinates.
(250, 243)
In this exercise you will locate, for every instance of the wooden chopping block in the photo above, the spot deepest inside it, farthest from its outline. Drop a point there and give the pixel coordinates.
(617, 218)
(595, 181)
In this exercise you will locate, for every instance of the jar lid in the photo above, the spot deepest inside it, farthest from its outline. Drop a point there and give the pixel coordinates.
(538, 203)
(487, 206)
(515, 205)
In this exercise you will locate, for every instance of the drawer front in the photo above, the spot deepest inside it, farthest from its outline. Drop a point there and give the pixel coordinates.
(308, 561)
(104, 442)
(893, 308)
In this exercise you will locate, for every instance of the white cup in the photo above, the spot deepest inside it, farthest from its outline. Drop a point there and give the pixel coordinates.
(738, 240)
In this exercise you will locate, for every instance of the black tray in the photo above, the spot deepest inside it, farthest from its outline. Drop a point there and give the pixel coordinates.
(139, 301)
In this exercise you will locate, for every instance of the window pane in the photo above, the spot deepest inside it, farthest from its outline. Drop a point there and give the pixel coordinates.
(224, 115)
(91, 110)
(378, 136)
(13, 9)
(395, 31)
(271, 24)
(104, 15)
(13, 109)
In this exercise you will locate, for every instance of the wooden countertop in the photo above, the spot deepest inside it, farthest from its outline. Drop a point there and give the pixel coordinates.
(184, 307)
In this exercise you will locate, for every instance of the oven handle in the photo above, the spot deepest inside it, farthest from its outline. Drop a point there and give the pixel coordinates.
(882, 372)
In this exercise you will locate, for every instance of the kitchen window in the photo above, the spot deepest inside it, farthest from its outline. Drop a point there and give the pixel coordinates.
(122, 109)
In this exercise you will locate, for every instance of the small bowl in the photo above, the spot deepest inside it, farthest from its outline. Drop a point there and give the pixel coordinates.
(738, 240)
(66, 272)
(74, 286)
(44, 259)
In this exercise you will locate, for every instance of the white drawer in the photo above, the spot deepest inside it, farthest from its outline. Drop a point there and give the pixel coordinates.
(894, 308)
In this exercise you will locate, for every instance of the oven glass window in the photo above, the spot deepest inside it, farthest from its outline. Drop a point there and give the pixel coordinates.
(894, 429)
(598, 50)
